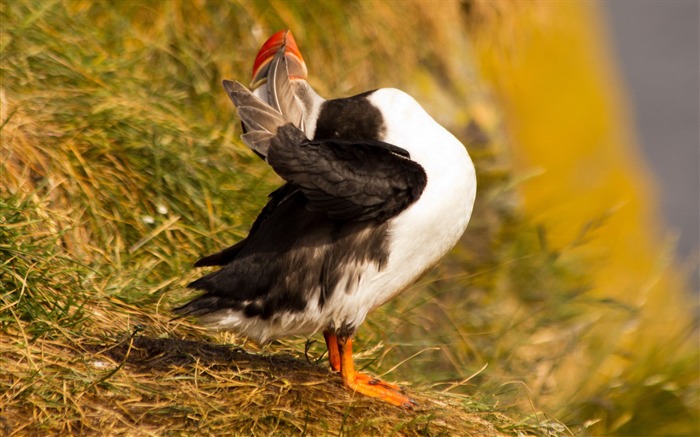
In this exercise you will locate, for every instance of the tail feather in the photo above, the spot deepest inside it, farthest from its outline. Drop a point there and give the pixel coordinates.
(204, 304)
(223, 257)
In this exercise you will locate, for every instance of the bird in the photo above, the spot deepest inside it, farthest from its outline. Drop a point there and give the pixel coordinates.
(375, 193)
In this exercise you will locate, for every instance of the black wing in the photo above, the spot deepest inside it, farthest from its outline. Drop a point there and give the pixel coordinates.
(348, 180)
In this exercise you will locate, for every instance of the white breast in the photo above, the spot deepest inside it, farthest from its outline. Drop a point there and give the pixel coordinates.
(429, 228)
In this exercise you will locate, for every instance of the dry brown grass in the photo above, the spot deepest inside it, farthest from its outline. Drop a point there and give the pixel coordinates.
(151, 386)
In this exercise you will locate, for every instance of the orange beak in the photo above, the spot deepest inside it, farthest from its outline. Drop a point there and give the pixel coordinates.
(282, 40)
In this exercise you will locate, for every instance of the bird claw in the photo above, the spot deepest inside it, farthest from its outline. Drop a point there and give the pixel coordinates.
(370, 380)
(410, 404)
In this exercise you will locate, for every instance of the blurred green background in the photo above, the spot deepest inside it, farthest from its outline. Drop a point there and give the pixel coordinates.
(121, 165)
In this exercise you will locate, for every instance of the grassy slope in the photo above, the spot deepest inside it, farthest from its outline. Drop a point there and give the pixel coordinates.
(121, 164)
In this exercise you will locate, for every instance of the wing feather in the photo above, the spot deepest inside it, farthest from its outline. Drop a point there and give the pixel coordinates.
(349, 180)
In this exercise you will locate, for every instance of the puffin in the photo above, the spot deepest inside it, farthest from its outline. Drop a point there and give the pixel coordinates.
(376, 192)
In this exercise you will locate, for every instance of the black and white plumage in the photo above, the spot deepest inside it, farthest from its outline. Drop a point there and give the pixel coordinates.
(376, 193)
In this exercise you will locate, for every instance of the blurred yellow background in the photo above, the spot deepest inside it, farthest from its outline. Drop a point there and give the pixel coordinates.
(582, 170)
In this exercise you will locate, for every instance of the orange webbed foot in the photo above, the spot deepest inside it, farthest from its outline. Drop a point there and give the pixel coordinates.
(340, 357)
(370, 386)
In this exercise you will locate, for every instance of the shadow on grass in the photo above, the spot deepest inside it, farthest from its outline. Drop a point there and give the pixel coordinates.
(165, 354)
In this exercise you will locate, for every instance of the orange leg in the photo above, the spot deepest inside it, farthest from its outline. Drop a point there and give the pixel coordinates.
(333, 353)
(365, 384)
(334, 358)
